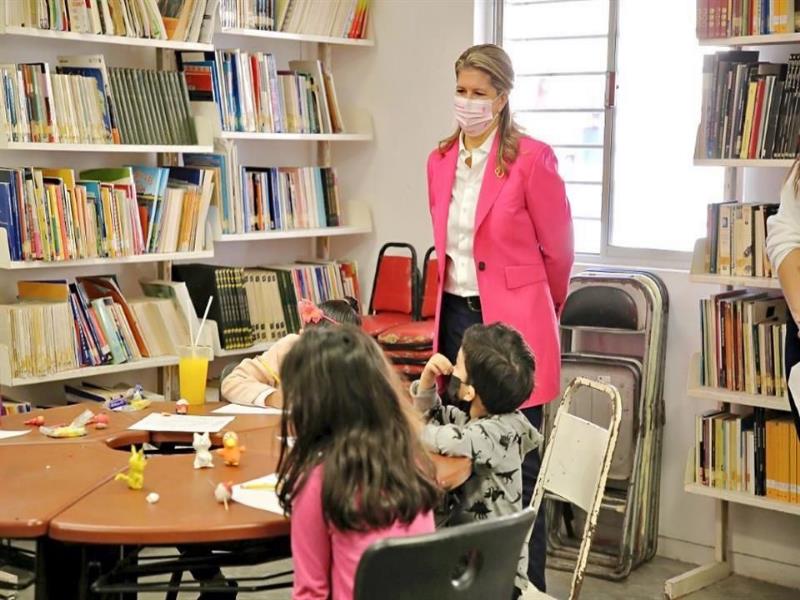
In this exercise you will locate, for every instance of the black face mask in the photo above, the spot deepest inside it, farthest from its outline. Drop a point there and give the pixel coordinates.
(453, 387)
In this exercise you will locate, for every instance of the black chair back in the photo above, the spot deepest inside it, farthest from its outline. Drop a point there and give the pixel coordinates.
(477, 561)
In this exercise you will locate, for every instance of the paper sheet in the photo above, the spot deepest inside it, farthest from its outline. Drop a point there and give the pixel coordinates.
(4, 435)
(180, 423)
(239, 409)
(262, 499)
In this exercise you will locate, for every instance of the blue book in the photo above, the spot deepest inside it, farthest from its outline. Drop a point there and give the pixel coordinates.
(220, 162)
(245, 199)
(275, 197)
(9, 176)
(150, 197)
(7, 218)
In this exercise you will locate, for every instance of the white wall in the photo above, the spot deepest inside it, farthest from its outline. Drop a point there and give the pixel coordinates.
(407, 81)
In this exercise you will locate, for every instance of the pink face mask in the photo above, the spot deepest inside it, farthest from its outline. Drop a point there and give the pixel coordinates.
(473, 116)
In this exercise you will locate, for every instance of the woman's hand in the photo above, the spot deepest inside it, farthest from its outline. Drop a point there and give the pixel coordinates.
(438, 365)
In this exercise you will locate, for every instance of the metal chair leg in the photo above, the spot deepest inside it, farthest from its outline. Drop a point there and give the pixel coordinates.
(174, 580)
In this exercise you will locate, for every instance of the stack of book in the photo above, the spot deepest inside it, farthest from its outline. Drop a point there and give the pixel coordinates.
(83, 101)
(260, 304)
(58, 325)
(336, 18)
(756, 453)
(736, 239)
(284, 198)
(52, 215)
(751, 109)
(253, 199)
(252, 95)
(743, 342)
(733, 18)
(182, 20)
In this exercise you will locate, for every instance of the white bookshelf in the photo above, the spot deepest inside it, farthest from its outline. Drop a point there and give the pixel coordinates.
(697, 273)
(92, 38)
(720, 567)
(780, 163)
(297, 137)
(742, 498)
(7, 379)
(754, 40)
(254, 349)
(357, 218)
(233, 33)
(103, 148)
(696, 390)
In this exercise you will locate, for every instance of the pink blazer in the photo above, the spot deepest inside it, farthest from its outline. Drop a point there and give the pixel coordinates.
(523, 249)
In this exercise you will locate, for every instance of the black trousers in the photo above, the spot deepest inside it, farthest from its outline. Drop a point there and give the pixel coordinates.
(455, 318)
(791, 358)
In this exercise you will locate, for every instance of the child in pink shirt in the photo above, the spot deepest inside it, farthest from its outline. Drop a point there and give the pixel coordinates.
(356, 473)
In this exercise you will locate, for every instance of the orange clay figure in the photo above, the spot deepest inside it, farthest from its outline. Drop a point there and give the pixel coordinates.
(231, 451)
(35, 421)
(135, 475)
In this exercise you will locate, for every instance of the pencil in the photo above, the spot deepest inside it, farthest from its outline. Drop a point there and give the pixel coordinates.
(272, 372)
(258, 486)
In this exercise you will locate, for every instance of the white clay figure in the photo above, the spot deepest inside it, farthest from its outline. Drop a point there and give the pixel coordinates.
(201, 444)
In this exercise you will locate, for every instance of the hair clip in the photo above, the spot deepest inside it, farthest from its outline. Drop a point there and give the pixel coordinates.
(311, 313)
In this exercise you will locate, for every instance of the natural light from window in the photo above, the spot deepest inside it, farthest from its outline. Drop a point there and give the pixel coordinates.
(560, 55)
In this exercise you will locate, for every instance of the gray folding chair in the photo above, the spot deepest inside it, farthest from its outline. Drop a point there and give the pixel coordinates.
(575, 467)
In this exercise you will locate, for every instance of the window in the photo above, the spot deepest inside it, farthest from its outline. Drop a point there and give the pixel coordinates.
(618, 99)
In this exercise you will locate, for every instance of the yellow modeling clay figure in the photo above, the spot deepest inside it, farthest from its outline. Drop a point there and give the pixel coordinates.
(231, 451)
(135, 474)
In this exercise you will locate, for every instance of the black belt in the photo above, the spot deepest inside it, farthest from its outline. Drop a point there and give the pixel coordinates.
(473, 303)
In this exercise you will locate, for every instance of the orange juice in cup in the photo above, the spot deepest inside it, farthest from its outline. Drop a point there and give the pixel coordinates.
(193, 372)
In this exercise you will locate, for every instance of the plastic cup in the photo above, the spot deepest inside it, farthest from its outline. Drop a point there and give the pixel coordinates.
(193, 372)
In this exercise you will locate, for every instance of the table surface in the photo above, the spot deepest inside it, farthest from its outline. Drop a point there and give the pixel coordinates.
(38, 481)
(66, 487)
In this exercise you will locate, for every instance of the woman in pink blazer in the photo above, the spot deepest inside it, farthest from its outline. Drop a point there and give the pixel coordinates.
(502, 220)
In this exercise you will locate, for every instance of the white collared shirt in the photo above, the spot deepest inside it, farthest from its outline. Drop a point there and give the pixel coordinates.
(460, 276)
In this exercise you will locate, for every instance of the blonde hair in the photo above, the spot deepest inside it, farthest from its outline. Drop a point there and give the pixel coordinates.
(492, 60)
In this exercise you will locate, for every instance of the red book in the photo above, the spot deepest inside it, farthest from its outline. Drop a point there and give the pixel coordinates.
(256, 90)
(756, 126)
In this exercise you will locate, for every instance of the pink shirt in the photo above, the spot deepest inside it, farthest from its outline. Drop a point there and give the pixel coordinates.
(325, 559)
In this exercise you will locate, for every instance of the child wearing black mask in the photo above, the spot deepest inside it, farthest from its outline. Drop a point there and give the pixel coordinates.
(494, 373)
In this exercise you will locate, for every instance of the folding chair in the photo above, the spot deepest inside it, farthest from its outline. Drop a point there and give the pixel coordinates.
(467, 562)
(575, 467)
(394, 290)
(410, 345)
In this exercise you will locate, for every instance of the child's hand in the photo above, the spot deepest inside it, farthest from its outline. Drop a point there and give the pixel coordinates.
(437, 366)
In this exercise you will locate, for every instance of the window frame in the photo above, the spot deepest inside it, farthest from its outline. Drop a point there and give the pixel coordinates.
(489, 28)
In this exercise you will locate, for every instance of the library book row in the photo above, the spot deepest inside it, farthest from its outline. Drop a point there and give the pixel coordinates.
(755, 452)
(190, 20)
(81, 100)
(60, 326)
(252, 95)
(53, 215)
(750, 108)
(735, 18)
(743, 345)
(736, 234)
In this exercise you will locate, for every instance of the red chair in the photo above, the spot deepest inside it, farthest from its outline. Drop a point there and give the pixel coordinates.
(394, 290)
(410, 345)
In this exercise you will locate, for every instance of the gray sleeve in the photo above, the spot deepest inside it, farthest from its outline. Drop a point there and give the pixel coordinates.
(475, 440)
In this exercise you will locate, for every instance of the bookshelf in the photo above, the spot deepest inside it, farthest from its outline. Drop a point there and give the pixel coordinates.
(698, 275)
(720, 568)
(232, 33)
(7, 379)
(776, 163)
(696, 390)
(753, 40)
(92, 38)
(355, 217)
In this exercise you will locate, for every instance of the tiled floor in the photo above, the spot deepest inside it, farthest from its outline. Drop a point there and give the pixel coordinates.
(646, 583)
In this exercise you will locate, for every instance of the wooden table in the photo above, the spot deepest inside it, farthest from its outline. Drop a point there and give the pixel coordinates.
(118, 423)
(39, 481)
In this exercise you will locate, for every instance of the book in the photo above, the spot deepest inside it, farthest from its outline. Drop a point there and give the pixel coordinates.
(736, 239)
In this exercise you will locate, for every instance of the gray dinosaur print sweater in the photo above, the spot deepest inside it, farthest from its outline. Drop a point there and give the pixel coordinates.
(496, 444)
